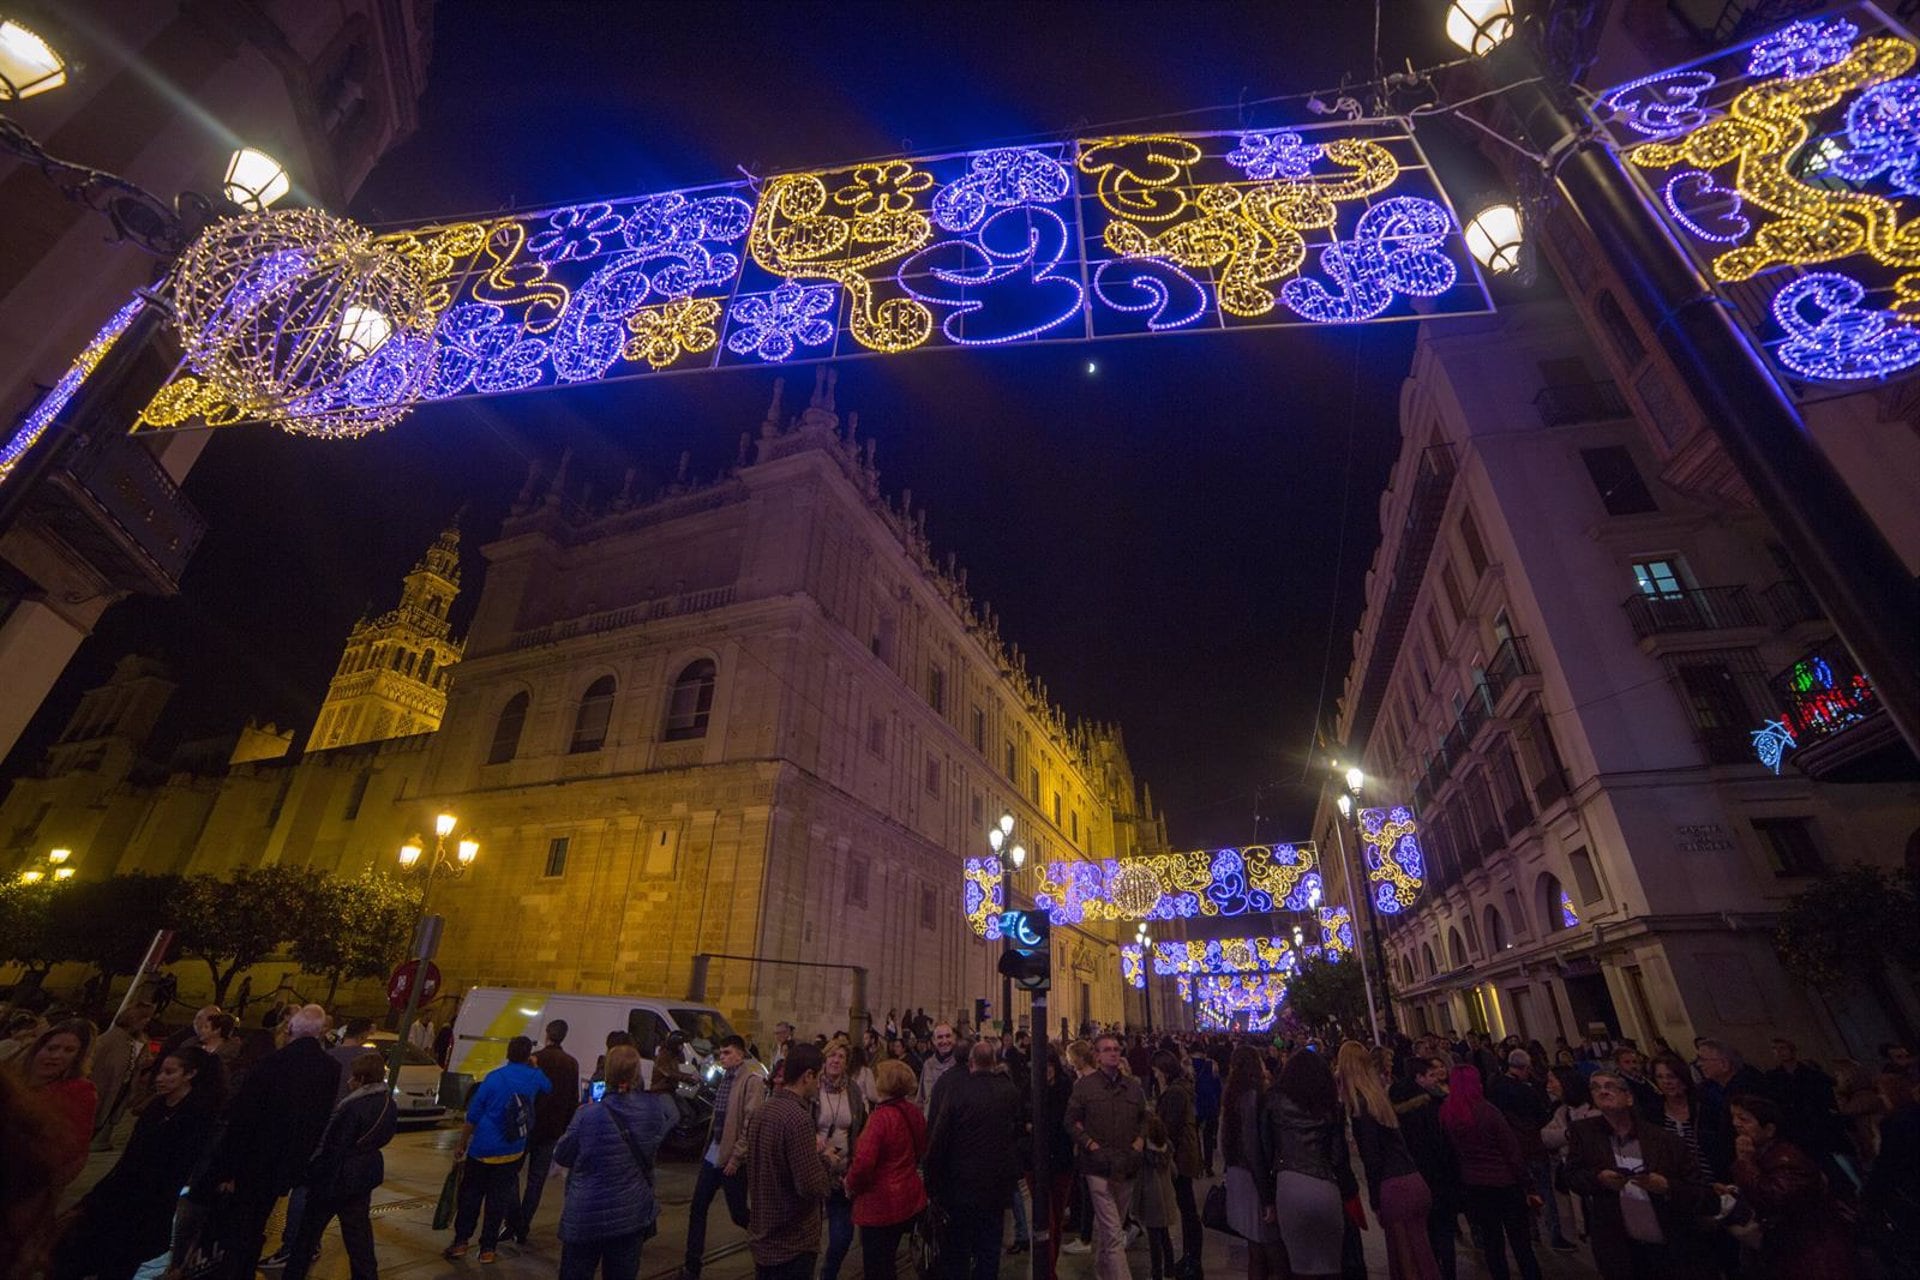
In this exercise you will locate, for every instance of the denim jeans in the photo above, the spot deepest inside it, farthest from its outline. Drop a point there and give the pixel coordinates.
(1540, 1173)
(616, 1257)
(709, 1183)
(972, 1250)
(839, 1235)
(539, 1164)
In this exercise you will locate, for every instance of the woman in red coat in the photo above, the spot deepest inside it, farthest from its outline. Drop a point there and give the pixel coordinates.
(884, 1179)
(54, 1069)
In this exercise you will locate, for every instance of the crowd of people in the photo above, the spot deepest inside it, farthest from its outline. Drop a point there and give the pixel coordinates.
(1653, 1165)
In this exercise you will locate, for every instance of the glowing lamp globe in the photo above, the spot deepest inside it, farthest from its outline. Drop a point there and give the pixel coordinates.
(1494, 236)
(444, 824)
(1479, 26)
(303, 319)
(1134, 890)
(469, 850)
(255, 180)
(28, 64)
(410, 853)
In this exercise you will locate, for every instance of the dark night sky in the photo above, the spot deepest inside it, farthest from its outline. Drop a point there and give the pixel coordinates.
(1160, 537)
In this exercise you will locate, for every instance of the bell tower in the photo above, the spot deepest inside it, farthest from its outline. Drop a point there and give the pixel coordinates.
(392, 678)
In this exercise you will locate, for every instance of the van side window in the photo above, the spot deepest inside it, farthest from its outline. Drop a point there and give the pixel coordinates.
(649, 1031)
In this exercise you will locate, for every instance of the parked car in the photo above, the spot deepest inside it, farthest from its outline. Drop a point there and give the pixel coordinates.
(417, 1096)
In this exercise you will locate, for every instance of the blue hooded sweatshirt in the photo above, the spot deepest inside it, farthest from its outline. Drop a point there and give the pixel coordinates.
(493, 1103)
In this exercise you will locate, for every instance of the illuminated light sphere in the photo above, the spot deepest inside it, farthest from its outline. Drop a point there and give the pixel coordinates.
(255, 180)
(1494, 236)
(1479, 26)
(28, 64)
(276, 312)
(1133, 890)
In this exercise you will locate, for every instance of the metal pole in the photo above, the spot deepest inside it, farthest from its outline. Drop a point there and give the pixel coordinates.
(1847, 562)
(1043, 1120)
(156, 952)
(1006, 904)
(1353, 892)
(425, 937)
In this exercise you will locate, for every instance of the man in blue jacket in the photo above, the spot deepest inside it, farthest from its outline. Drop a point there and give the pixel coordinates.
(494, 1143)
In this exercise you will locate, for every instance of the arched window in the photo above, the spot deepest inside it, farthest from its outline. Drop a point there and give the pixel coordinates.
(506, 730)
(691, 702)
(1553, 904)
(1426, 958)
(590, 721)
(1456, 949)
(1497, 939)
(399, 658)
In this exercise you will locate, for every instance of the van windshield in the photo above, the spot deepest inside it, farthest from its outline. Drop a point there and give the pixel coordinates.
(704, 1028)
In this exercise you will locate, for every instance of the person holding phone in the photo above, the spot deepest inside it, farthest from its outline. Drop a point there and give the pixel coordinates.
(1645, 1189)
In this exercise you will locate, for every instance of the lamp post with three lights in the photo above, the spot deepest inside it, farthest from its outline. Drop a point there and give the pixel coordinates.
(1012, 855)
(1359, 885)
(426, 934)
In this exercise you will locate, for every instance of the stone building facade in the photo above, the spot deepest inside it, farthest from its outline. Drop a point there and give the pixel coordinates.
(753, 718)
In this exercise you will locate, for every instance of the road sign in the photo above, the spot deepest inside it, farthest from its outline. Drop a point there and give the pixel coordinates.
(401, 983)
(1027, 959)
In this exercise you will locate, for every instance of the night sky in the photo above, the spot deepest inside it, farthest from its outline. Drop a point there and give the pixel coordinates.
(1161, 536)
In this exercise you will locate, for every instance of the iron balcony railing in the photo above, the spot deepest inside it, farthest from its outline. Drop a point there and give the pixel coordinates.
(1790, 602)
(1691, 609)
(1568, 403)
(1512, 660)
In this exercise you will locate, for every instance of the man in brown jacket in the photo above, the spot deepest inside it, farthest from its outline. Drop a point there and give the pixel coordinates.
(787, 1177)
(1106, 1118)
(1645, 1190)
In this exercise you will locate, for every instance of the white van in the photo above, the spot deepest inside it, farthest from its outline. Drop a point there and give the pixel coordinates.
(491, 1016)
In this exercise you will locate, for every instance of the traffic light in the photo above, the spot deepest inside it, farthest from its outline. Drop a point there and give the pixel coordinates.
(981, 1008)
(1028, 958)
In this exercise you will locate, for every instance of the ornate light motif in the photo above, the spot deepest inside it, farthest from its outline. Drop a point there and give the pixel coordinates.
(1336, 932)
(1795, 150)
(1250, 1002)
(982, 898)
(1173, 886)
(1112, 235)
(1223, 955)
(1133, 965)
(1395, 864)
(274, 310)
(61, 393)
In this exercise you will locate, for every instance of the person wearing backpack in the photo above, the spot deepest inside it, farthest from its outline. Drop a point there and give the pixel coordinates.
(493, 1144)
(608, 1151)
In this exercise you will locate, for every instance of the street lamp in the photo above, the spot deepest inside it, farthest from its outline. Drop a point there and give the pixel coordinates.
(28, 64)
(999, 837)
(1145, 940)
(255, 180)
(440, 867)
(1495, 236)
(1843, 556)
(1358, 887)
(56, 866)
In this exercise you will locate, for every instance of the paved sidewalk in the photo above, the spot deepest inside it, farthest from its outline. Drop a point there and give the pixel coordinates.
(417, 1164)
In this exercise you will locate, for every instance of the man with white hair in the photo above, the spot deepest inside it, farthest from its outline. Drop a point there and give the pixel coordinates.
(273, 1126)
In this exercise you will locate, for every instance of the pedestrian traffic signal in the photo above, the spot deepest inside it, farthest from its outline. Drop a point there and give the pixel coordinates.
(981, 1008)
(1028, 958)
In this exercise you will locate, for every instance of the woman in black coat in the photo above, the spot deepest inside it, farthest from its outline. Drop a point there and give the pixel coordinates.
(128, 1216)
(345, 1169)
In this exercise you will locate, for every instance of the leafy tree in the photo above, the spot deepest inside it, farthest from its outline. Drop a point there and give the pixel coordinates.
(1329, 996)
(356, 929)
(27, 936)
(110, 923)
(1849, 928)
(231, 925)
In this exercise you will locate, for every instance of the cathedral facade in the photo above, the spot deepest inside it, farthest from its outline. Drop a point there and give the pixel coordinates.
(752, 719)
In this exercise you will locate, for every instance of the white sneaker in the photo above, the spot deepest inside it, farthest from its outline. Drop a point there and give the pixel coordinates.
(1076, 1245)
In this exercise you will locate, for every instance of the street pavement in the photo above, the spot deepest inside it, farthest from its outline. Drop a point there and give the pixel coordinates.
(417, 1164)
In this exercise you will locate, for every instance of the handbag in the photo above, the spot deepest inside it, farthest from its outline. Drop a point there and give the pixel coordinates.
(1213, 1214)
(923, 1244)
(449, 1197)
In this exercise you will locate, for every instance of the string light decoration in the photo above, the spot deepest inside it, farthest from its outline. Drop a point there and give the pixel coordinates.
(1798, 150)
(1396, 866)
(1133, 965)
(270, 307)
(1569, 916)
(1249, 1002)
(1336, 932)
(1817, 702)
(1104, 236)
(61, 393)
(1771, 742)
(982, 897)
(1223, 955)
(1183, 986)
(1178, 886)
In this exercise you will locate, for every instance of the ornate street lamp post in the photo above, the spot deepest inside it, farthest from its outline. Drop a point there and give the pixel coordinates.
(1000, 836)
(440, 867)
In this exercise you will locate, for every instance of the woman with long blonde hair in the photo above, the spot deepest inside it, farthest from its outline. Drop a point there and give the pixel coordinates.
(1399, 1195)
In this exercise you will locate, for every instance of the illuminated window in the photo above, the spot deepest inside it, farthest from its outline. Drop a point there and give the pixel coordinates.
(557, 857)
(590, 720)
(1660, 577)
(506, 730)
(1789, 846)
(692, 702)
(1617, 479)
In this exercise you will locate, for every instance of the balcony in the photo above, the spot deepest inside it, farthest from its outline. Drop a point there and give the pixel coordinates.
(1839, 731)
(1694, 609)
(1575, 402)
(1512, 661)
(114, 505)
(1789, 603)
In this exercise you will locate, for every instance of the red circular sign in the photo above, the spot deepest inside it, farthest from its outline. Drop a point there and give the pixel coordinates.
(402, 981)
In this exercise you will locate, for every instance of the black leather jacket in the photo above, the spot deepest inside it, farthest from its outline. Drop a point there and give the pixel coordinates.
(1293, 1140)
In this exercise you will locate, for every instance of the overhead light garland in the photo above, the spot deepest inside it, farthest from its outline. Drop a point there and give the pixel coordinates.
(1178, 886)
(1248, 1002)
(1797, 150)
(60, 394)
(1103, 236)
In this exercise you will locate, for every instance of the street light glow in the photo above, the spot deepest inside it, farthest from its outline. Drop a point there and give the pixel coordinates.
(63, 873)
(1479, 26)
(1006, 824)
(444, 824)
(1018, 856)
(469, 850)
(1345, 804)
(28, 64)
(362, 330)
(58, 856)
(1494, 236)
(32, 877)
(1356, 780)
(996, 837)
(255, 180)
(410, 852)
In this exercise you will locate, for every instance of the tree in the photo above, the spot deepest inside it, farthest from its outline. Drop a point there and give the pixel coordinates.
(1329, 996)
(110, 923)
(26, 925)
(1850, 927)
(356, 929)
(234, 924)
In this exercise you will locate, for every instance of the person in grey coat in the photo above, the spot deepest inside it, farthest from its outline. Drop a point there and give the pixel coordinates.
(608, 1150)
(345, 1169)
